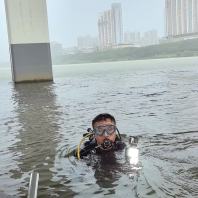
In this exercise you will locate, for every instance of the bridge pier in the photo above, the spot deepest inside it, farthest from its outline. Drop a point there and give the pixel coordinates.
(28, 36)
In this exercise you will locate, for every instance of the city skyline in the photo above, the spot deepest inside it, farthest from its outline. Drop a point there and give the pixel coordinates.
(69, 19)
(111, 34)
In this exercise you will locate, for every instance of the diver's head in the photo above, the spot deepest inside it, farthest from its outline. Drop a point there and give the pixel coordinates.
(104, 128)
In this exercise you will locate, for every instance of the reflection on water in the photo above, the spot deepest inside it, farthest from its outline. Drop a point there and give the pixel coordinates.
(106, 171)
(38, 135)
(156, 100)
(100, 175)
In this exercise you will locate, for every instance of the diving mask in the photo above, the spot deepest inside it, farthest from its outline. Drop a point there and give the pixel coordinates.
(104, 130)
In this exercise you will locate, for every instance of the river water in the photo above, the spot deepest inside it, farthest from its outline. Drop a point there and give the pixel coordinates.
(156, 100)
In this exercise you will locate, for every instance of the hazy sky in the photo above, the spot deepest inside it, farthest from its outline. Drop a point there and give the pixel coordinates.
(69, 19)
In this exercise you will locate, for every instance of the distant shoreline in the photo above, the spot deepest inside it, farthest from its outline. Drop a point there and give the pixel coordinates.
(157, 58)
(186, 48)
(7, 65)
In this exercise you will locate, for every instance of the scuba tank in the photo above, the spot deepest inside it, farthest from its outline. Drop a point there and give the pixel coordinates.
(132, 151)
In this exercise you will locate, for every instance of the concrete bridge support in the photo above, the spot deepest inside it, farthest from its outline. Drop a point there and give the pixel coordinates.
(29, 40)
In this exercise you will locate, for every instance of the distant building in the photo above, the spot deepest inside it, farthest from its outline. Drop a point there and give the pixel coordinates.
(132, 38)
(71, 50)
(87, 43)
(150, 38)
(110, 27)
(181, 17)
(136, 39)
(195, 16)
(56, 49)
(117, 22)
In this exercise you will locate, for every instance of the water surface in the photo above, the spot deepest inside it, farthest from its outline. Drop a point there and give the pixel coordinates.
(154, 99)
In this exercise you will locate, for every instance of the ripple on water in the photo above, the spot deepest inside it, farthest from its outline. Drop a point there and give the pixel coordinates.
(173, 157)
(147, 97)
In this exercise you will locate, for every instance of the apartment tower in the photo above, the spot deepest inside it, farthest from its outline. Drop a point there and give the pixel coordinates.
(181, 17)
(110, 27)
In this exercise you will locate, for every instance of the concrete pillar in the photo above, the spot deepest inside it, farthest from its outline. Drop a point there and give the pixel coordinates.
(29, 40)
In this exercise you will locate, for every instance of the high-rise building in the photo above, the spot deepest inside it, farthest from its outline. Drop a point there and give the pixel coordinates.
(190, 16)
(181, 17)
(117, 22)
(168, 17)
(110, 27)
(174, 16)
(184, 16)
(195, 16)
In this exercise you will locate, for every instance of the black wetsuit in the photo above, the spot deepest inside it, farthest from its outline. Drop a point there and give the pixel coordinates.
(91, 147)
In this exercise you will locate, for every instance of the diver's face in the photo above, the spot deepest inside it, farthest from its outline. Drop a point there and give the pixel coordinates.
(102, 125)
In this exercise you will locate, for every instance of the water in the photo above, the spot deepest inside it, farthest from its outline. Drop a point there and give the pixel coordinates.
(154, 99)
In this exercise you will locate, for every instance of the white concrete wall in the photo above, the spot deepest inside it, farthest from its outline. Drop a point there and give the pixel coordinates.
(27, 21)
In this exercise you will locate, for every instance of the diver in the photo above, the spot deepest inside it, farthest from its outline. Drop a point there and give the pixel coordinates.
(102, 138)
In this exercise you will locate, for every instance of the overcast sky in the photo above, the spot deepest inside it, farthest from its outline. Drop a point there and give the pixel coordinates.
(69, 19)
